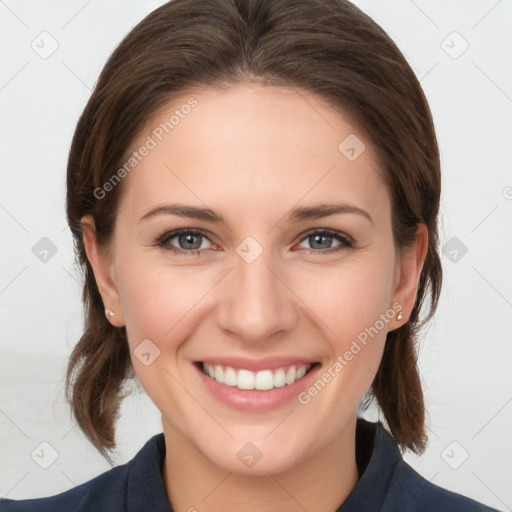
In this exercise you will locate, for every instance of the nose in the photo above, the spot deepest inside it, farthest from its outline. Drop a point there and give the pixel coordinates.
(257, 306)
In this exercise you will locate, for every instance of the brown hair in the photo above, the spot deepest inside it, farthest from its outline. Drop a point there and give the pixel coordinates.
(327, 47)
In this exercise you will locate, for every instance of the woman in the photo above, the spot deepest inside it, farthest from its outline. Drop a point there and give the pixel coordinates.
(253, 189)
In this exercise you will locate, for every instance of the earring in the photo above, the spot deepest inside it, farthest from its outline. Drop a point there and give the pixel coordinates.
(399, 316)
(109, 313)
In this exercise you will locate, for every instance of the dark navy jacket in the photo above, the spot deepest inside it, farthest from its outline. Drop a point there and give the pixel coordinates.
(387, 484)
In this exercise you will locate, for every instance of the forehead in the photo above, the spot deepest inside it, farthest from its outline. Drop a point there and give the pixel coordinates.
(253, 148)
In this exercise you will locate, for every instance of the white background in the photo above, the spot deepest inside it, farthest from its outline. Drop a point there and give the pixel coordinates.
(466, 354)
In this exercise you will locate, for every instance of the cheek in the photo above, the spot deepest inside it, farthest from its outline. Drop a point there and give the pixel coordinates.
(346, 299)
(350, 306)
(350, 303)
(162, 305)
(157, 302)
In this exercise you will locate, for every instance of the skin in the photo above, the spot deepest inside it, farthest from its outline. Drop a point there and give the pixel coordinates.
(252, 153)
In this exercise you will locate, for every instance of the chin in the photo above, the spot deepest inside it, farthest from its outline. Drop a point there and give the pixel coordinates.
(257, 457)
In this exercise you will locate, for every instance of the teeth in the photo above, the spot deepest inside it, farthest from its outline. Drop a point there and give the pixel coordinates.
(219, 374)
(230, 378)
(262, 380)
(291, 375)
(279, 378)
(245, 379)
(301, 371)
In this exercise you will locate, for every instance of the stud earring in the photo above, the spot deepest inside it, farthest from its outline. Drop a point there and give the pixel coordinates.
(400, 315)
(109, 313)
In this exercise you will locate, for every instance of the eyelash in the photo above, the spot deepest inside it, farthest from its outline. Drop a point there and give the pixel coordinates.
(346, 242)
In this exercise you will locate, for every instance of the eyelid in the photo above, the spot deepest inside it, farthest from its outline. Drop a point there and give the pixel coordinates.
(344, 239)
(169, 235)
(329, 232)
(180, 231)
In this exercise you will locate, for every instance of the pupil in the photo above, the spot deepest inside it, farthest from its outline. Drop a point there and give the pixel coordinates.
(324, 245)
(189, 239)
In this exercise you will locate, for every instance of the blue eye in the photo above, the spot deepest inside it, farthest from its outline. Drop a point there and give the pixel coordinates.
(190, 242)
(323, 240)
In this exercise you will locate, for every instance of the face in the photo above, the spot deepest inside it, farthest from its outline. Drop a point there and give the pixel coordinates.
(226, 261)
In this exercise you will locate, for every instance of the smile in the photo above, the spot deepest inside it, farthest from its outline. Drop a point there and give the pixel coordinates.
(262, 380)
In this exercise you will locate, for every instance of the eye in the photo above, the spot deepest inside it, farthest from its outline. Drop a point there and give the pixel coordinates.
(321, 241)
(191, 241)
(184, 241)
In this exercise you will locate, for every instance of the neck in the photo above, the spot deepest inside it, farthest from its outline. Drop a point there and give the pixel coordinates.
(321, 482)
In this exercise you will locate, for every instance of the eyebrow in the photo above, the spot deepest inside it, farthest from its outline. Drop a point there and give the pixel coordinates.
(317, 211)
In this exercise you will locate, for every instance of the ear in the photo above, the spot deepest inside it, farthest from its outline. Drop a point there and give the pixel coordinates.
(103, 271)
(408, 272)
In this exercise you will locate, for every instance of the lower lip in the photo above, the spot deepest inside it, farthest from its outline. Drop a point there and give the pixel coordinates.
(256, 400)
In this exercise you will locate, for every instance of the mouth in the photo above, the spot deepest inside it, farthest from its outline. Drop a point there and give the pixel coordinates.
(261, 380)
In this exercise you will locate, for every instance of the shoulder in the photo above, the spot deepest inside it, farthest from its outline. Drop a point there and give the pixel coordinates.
(412, 492)
(96, 492)
(105, 489)
(389, 484)
(109, 491)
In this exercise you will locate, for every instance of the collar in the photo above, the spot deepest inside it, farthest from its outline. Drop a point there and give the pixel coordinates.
(376, 455)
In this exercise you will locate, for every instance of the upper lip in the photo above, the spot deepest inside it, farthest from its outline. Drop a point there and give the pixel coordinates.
(267, 363)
